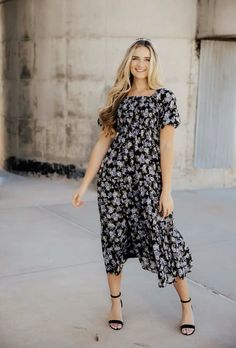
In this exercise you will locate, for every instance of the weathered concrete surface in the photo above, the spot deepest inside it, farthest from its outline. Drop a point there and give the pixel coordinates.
(216, 19)
(63, 57)
(53, 286)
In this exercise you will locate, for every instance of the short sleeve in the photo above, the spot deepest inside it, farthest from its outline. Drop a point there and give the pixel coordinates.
(170, 114)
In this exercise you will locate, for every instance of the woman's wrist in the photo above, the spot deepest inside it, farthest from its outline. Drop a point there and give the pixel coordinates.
(166, 191)
(83, 188)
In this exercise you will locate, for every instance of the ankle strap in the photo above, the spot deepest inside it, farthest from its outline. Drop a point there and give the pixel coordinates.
(186, 300)
(116, 296)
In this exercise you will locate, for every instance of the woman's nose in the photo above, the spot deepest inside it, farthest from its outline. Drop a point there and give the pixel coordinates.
(141, 65)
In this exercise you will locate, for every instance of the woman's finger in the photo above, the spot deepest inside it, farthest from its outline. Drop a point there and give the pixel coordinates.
(75, 200)
(76, 197)
(74, 203)
(78, 202)
(167, 212)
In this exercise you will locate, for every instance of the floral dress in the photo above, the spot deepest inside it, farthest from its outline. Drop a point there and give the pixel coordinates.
(129, 185)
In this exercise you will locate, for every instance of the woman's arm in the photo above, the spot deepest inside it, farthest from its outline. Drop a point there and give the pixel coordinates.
(97, 154)
(167, 158)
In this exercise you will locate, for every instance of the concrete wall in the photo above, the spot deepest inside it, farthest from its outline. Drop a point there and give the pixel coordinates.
(60, 58)
(216, 19)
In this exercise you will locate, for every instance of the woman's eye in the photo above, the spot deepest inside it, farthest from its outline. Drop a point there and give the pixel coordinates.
(135, 58)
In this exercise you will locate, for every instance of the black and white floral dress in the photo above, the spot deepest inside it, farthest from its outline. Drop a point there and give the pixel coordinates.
(129, 185)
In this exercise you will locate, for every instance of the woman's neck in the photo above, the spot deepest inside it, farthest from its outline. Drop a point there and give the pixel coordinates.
(140, 87)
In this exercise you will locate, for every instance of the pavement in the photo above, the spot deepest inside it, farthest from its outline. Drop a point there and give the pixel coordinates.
(53, 285)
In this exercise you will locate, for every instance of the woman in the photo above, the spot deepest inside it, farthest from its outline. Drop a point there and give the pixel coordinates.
(133, 158)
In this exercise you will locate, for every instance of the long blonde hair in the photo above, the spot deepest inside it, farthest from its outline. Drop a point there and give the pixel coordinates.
(123, 84)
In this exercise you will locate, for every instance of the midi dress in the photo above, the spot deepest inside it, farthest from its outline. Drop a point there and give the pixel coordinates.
(129, 185)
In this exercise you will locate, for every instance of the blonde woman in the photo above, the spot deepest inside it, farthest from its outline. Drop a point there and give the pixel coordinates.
(133, 158)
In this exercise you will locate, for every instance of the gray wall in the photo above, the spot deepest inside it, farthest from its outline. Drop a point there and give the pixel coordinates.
(216, 18)
(59, 57)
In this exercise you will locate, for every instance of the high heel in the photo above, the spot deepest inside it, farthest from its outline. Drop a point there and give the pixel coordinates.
(115, 321)
(187, 326)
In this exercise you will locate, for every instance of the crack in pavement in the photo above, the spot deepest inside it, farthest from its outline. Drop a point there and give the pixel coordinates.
(215, 292)
(68, 220)
(48, 269)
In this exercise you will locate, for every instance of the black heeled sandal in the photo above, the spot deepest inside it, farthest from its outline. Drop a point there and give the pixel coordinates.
(187, 326)
(115, 321)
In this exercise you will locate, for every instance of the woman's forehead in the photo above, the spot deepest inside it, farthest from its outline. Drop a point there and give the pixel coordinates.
(141, 51)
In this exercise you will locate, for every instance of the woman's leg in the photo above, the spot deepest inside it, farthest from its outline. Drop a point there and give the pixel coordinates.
(181, 287)
(114, 282)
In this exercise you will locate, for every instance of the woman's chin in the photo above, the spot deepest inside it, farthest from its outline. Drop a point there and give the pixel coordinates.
(140, 76)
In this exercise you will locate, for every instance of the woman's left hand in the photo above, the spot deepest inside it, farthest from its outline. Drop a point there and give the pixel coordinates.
(166, 204)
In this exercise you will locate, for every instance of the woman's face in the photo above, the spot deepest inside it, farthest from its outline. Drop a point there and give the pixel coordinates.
(140, 62)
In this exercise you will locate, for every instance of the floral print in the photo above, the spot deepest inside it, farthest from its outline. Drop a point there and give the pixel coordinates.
(129, 185)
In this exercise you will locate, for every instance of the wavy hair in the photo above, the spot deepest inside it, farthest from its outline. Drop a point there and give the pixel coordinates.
(123, 84)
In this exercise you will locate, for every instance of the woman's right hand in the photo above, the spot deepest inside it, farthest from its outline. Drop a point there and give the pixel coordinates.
(96, 157)
(77, 199)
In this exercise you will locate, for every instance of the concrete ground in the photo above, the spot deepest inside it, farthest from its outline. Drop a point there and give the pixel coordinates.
(53, 285)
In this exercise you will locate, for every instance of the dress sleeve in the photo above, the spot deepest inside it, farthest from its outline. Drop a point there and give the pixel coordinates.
(170, 113)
